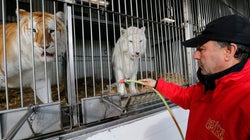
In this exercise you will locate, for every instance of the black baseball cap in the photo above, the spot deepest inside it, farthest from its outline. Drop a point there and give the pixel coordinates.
(232, 28)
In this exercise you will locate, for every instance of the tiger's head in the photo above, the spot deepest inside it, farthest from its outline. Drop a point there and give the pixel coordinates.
(45, 32)
(133, 41)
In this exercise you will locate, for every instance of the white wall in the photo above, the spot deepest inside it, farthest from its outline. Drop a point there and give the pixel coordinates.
(156, 126)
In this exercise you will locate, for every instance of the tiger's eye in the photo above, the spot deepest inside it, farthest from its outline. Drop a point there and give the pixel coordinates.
(51, 31)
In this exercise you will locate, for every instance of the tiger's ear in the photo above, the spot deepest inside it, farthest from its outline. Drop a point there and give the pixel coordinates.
(143, 29)
(123, 31)
(60, 15)
(22, 12)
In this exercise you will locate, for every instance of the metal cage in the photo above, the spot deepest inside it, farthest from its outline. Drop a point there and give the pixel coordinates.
(81, 80)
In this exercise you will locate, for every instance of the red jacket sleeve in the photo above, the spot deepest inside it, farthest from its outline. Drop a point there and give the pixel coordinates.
(179, 95)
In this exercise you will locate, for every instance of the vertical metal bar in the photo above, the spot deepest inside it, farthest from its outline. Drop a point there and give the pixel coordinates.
(153, 33)
(137, 14)
(19, 55)
(145, 56)
(188, 34)
(92, 47)
(108, 51)
(45, 57)
(194, 12)
(167, 40)
(33, 56)
(183, 48)
(206, 11)
(5, 56)
(149, 43)
(126, 13)
(84, 53)
(131, 12)
(201, 4)
(76, 112)
(209, 5)
(175, 46)
(126, 22)
(142, 12)
(182, 51)
(213, 7)
(100, 44)
(199, 12)
(74, 50)
(137, 24)
(218, 11)
(119, 11)
(126, 26)
(171, 48)
(114, 24)
(113, 19)
(158, 36)
(70, 68)
(56, 48)
(162, 42)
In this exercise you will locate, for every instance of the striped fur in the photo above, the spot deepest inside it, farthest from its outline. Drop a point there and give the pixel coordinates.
(41, 49)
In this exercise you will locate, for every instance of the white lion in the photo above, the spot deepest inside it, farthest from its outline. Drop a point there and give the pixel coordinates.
(128, 49)
(42, 49)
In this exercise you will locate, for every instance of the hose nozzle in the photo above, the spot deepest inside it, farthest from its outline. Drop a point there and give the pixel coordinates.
(122, 81)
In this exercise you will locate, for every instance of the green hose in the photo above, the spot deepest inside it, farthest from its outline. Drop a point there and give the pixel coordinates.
(165, 103)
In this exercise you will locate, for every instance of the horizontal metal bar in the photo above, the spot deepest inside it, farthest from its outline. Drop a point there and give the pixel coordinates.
(114, 105)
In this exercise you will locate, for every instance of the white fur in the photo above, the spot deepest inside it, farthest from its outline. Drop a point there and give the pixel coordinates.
(42, 90)
(128, 49)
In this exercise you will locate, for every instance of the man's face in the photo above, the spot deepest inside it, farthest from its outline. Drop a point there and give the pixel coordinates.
(210, 57)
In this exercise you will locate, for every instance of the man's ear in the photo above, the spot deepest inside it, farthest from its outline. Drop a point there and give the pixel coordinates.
(234, 48)
(231, 50)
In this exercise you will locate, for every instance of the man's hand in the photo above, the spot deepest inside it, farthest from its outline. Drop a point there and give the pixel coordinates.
(148, 83)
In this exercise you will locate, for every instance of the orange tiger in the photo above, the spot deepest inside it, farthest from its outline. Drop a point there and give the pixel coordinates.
(41, 49)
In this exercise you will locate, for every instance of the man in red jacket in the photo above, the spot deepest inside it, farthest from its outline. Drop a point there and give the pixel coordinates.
(219, 103)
